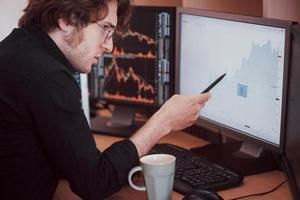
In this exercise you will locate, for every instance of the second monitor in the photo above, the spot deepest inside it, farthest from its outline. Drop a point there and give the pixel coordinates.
(139, 72)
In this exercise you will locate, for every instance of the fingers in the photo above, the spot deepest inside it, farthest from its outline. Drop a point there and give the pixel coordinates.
(197, 109)
(172, 111)
(201, 98)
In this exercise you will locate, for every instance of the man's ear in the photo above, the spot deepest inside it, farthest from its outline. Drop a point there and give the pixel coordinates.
(64, 26)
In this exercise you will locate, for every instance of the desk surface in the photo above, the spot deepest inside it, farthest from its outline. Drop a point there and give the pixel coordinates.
(252, 184)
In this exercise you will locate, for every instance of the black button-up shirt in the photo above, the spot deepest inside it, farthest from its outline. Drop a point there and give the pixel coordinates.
(43, 131)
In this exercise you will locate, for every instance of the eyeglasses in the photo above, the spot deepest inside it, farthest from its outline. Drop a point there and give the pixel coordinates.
(108, 31)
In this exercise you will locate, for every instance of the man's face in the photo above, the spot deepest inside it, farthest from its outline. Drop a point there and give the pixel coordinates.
(83, 48)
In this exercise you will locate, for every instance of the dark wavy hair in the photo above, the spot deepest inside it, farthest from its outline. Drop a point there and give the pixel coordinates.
(45, 13)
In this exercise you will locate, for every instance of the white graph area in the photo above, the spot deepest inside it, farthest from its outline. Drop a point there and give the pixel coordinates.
(252, 56)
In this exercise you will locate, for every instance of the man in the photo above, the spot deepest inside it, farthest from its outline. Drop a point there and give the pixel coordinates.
(43, 131)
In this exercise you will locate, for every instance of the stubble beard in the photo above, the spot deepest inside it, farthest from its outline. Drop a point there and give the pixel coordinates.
(75, 51)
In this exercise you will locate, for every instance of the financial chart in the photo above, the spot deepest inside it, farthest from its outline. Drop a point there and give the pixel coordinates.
(138, 68)
(249, 98)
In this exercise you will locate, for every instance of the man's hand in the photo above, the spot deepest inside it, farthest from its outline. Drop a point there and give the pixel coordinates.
(176, 114)
(180, 112)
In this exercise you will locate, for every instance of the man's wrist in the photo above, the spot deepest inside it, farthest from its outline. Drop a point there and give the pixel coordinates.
(150, 133)
(160, 123)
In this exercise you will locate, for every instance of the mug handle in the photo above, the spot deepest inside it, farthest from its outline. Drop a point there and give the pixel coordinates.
(132, 171)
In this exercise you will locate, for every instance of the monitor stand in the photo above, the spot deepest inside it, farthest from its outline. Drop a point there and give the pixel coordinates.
(244, 157)
(121, 123)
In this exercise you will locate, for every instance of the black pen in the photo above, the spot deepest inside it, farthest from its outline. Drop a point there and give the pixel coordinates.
(213, 84)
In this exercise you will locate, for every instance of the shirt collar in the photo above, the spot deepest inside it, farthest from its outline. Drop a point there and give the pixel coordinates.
(50, 46)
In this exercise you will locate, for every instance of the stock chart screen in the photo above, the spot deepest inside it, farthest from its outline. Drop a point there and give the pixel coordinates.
(138, 69)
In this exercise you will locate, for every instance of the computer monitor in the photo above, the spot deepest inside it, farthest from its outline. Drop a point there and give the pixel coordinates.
(250, 102)
(291, 141)
(139, 72)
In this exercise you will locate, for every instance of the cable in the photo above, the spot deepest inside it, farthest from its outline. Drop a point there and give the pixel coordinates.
(262, 193)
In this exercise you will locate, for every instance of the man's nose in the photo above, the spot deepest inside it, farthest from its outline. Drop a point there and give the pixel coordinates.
(108, 45)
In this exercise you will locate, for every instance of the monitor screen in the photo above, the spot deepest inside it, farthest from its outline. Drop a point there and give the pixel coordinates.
(139, 71)
(250, 100)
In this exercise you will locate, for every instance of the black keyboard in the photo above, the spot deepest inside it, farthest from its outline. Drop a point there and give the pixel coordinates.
(195, 172)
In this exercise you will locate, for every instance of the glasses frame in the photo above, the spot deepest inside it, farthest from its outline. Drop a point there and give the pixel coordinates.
(109, 33)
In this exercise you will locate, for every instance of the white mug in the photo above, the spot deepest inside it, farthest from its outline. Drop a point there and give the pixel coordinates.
(158, 170)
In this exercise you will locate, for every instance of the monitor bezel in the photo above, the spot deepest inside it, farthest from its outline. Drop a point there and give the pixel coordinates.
(155, 105)
(290, 141)
(246, 19)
